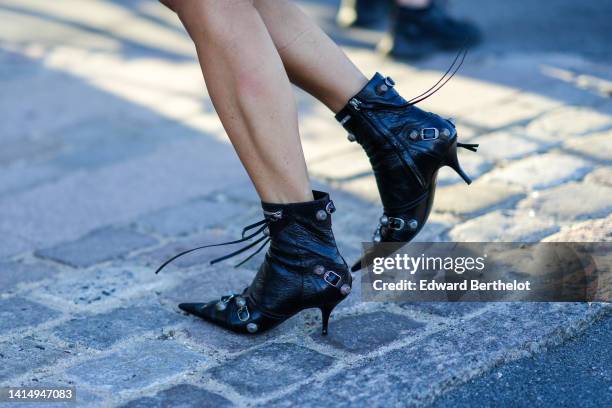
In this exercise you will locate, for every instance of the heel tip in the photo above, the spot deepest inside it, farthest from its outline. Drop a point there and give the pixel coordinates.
(324, 332)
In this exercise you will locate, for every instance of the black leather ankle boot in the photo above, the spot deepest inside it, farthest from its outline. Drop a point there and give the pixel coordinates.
(302, 269)
(406, 147)
(416, 33)
(362, 13)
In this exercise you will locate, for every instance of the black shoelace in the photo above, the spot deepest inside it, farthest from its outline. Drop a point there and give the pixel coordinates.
(262, 228)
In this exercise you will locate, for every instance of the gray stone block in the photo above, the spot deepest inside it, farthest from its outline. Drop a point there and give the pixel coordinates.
(415, 374)
(29, 353)
(367, 332)
(568, 121)
(596, 146)
(599, 230)
(99, 285)
(13, 244)
(602, 176)
(190, 217)
(183, 396)
(445, 309)
(81, 202)
(270, 368)
(504, 226)
(140, 365)
(477, 198)
(542, 171)
(103, 330)
(12, 274)
(570, 202)
(507, 145)
(98, 246)
(17, 312)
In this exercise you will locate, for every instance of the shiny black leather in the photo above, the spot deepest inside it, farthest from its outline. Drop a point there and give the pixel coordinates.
(302, 269)
(406, 147)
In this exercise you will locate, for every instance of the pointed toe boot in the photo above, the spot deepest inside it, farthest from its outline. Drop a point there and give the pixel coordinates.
(302, 269)
(406, 147)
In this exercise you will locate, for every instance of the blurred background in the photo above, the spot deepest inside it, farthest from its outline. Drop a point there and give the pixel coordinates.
(112, 158)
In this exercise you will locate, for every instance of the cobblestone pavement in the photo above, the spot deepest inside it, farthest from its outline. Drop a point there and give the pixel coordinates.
(112, 158)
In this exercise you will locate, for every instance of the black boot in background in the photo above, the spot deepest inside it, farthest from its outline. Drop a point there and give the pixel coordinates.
(416, 33)
(362, 13)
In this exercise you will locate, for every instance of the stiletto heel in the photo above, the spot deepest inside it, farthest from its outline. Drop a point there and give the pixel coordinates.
(452, 161)
(325, 313)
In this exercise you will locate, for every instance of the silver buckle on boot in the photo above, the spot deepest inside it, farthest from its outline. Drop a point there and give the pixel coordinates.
(241, 314)
(430, 133)
(332, 278)
(396, 223)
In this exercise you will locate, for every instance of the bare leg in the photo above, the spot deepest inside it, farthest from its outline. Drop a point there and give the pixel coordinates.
(313, 61)
(251, 92)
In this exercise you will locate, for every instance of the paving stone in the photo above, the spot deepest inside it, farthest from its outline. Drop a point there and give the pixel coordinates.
(596, 146)
(242, 192)
(516, 108)
(504, 226)
(81, 202)
(367, 332)
(569, 121)
(43, 379)
(98, 246)
(415, 374)
(341, 165)
(183, 396)
(445, 309)
(13, 244)
(542, 171)
(573, 201)
(101, 331)
(476, 198)
(26, 354)
(98, 286)
(21, 177)
(506, 145)
(589, 231)
(13, 274)
(363, 187)
(190, 217)
(602, 175)
(140, 365)
(98, 142)
(270, 368)
(17, 313)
